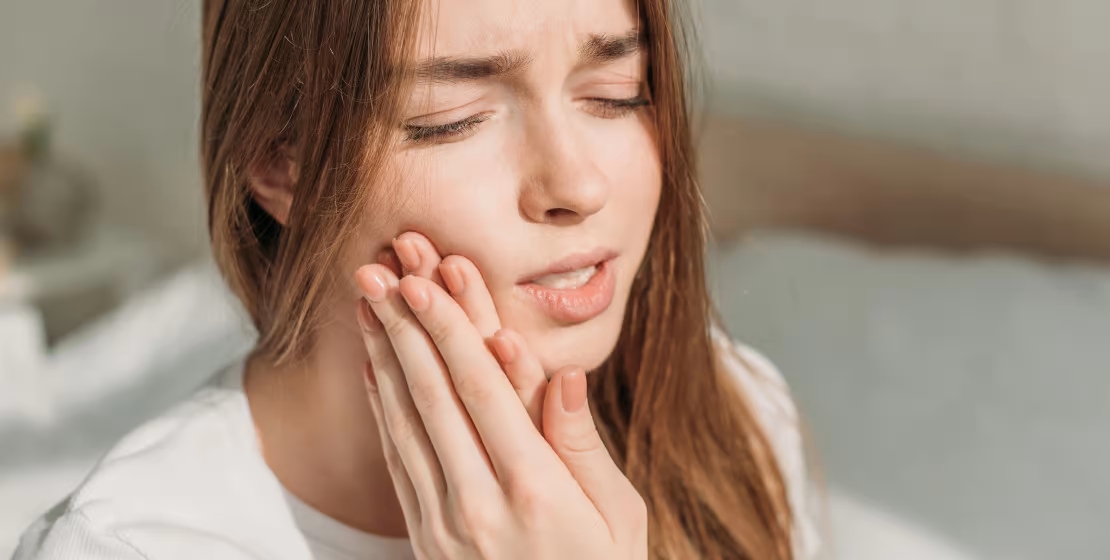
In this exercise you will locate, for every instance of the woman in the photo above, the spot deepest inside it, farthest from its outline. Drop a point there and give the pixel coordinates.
(439, 216)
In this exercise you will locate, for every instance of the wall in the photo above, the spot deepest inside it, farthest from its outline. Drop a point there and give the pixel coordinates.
(1021, 80)
(121, 77)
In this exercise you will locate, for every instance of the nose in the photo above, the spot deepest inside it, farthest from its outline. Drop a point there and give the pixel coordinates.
(563, 183)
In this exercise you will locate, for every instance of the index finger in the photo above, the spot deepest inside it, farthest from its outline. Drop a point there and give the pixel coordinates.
(501, 420)
(415, 384)
(465, 283)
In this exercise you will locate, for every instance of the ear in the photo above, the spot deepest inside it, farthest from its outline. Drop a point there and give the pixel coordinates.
(272, 180)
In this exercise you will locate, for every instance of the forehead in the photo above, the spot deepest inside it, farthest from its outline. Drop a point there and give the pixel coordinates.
(453, 27)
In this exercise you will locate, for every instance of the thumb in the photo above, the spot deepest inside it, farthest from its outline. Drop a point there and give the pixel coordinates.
(569, 427)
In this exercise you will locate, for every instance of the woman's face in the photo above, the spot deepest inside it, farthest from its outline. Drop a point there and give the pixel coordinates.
(526, 149)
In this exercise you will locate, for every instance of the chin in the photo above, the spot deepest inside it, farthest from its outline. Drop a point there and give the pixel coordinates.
(586, 345)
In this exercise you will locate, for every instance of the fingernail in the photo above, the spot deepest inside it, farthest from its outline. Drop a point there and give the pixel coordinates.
(574, 390)
(389, 260)
(406, 251)
(453, 277)
(504, 348)
(416, 297)
(369, 377)
(366, 318)
(376, 288)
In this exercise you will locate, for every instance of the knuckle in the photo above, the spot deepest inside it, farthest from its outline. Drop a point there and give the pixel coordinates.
(529, 499)
(472, 388)
(394, 326)
(402, 425)
(477, 520)
(438, 329)
(584, 442)
(425, 394)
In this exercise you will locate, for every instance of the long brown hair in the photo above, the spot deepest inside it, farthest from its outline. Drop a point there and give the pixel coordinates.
(322, 81)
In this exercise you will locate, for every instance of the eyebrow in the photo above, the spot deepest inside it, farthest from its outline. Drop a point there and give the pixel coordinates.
(596, 49)
(599, 49)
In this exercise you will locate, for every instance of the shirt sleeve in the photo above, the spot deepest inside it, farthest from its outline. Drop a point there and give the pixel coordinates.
(774, 408)
(71, 536)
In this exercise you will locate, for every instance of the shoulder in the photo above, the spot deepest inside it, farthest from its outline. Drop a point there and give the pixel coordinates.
(188, 484)
(61, 534)
(762, 384)
(768, 394)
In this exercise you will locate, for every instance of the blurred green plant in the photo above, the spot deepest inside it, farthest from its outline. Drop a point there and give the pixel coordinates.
(35, 127)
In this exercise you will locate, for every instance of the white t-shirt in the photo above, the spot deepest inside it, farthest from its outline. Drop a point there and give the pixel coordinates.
(192, 484)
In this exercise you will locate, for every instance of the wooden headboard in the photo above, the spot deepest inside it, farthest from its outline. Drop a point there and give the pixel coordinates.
(762, 174)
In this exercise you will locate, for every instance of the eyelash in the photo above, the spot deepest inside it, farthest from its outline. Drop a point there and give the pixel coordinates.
(611, 109)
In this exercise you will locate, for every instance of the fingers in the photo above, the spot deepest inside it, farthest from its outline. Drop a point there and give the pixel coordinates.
(401, 420)
(406, 492)
(523, 370)
(569, 427)
(489, 398)
(465, 283)
(418, 257)
(418, 373)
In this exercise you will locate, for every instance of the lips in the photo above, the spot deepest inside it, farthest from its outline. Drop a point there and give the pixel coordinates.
(575, 289)
(567, 280)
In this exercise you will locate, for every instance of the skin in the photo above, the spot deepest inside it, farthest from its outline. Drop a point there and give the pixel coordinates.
(476, 478)
(551, 171)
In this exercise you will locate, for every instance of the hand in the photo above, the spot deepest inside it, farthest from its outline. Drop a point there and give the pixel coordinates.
(413, 254)
(475, 478)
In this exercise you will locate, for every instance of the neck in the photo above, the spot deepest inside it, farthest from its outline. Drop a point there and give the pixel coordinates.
(318, 434)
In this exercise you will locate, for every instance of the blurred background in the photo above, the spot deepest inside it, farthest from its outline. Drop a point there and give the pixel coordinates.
(911, 212)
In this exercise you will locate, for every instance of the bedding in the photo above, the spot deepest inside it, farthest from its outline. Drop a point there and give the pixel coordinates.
(969, 392)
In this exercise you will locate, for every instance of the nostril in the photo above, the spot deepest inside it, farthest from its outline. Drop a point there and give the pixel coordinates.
(556, 214)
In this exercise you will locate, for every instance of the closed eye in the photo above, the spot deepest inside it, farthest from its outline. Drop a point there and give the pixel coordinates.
(443, 132)
(617, 108)
(440, 134)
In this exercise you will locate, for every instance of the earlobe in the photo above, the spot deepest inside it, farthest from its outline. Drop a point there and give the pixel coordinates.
(272, 181)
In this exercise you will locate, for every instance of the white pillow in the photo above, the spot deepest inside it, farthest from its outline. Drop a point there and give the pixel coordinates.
(171, 337)
(21, 356)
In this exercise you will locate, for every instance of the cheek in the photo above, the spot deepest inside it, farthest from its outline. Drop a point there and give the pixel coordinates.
(462, 198)
(638, 189)
(634, 173)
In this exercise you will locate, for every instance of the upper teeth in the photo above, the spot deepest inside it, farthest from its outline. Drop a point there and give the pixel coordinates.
(567, 280)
